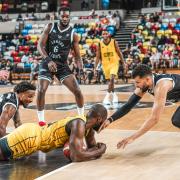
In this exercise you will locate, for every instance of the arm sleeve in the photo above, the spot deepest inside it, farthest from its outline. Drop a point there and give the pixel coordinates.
(122, 111)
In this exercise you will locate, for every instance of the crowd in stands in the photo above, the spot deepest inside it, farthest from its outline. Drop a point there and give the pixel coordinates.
(21, 49)
(155, 41)
(22, 6)
(29, 17)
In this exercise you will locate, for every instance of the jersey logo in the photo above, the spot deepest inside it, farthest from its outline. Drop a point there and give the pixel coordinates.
(8, 96)
(56, 48)
(108, 54)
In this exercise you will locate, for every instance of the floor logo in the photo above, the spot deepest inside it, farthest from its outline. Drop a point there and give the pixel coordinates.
(71, 106)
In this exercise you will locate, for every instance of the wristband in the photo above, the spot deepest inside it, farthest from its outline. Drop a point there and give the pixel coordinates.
(110, 119)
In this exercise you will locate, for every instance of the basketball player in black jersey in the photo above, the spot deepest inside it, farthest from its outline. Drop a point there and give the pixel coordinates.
(54, 46)
(162, 86)
(23, 94)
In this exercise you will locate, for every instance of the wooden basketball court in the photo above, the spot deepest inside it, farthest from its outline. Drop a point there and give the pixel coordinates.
(153, 156)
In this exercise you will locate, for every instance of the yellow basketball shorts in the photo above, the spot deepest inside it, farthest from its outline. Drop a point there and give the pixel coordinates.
(23, 141)
(110, 69)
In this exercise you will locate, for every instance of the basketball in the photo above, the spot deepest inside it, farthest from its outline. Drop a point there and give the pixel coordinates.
(66, 150)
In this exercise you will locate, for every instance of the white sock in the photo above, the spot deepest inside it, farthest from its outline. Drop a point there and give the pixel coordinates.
(41, 115)
(108, 94)
(80, 111)
(114, 94)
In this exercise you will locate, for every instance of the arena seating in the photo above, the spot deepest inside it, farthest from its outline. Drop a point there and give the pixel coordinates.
(162, 37)
(89, 36)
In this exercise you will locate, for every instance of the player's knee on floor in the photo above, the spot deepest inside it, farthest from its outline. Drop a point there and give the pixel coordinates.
(176, 118)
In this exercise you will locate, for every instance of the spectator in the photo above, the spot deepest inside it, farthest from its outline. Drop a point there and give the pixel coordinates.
(47, 17)
(89, 70)
(154, 58)
(6, 18)
(100, 78)
(1, 19)
(146, 60)
(84, 6)
(15, 41)
(118, 17)
(102, 15)
(92, 14)
(109, 15)
(19, 18)
(114, 21)
(34, 70)
(25, 58)
(149, 5)
(9, 68)
(33, 17)
(156, 17)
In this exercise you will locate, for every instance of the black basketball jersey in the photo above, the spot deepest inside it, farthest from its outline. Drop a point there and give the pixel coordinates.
(8, 98)
(59, 43)
(174, 94)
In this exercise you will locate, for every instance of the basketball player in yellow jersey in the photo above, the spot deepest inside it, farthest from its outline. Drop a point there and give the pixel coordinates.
(30, 137)
(109, 55)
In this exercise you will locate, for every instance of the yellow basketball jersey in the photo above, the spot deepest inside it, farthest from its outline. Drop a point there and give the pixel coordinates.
(108, 53)
(54, 135)
(30, 137)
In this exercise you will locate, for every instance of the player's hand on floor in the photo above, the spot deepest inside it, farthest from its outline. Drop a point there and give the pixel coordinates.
(125, 142)
(105, 124)
(99, 144)
(52, 66)
(102, 147)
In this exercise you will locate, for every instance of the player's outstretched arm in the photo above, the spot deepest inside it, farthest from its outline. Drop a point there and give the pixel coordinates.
(77, 152)
(159, 103)
(123, 110)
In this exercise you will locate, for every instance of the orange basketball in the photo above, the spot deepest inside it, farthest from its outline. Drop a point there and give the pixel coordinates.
(66, 150)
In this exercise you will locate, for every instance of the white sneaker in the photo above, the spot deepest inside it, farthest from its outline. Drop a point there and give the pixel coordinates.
(115, 98)
(106, 100)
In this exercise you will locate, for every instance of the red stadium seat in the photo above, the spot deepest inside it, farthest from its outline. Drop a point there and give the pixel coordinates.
(27, 37)
(17, 59)
(26, 48)
(5, 7)
(21, 48)
(14, 54)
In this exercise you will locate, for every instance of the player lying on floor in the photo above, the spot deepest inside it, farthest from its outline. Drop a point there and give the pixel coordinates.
(30, 137)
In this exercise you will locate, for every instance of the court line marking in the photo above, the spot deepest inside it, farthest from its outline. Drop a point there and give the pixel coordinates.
(53, 172)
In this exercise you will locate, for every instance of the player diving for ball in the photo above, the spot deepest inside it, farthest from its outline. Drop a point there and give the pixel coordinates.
(162, 86)
(31, 137)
